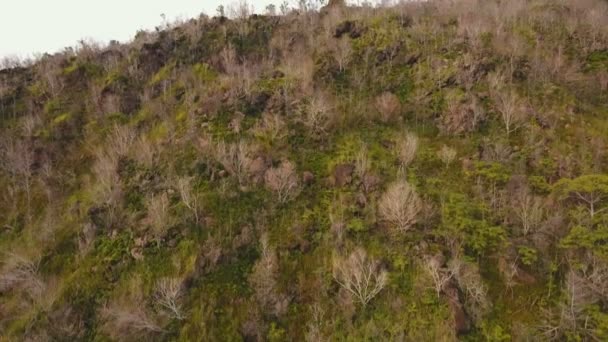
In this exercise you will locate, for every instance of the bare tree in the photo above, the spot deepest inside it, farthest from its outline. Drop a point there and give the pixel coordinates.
(362, 162)
(188, 196)
(235, 158)
(168, 295)
(318, 115)
(507, 103)
(108, 183)
(159, 217)
(16, 159)
(125, 323)
(283, 181)
(584, 285)
(19, 272)
(388, 105)
(264, 280)
(406, 146)
(361, 277)
(314, 331)
(272, 127)
(342, 52)
(470, 283)
(400, 205)
(441, 276)
(447, 155)
(529, 211)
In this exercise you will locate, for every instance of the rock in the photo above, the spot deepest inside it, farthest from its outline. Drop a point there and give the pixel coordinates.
(258, 168)
(308, 177)
(348, 27)
(462, 322)
(370, 182)
(343, 174)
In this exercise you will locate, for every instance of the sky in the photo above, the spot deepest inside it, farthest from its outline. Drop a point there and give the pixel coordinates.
(31, 26)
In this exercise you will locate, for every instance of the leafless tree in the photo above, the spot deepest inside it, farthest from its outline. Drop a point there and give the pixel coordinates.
(159, 217)
(400, 205)
(264, 280)
(168, 296)
(272, 127)
(235, 158)
(49, 70)
(362, 162)
(283, 181)
(584, 285)
(361, 277)
(447, 155)
(342, 52)
(125, 323)
(388, 105)
(318, 115)
(16, 159)
(108, 183)
(508, 104)
(406, 147)
(440, 275)
(20, 272)
(529, 211)
(470, 283)
(188, 196)
(86, 238)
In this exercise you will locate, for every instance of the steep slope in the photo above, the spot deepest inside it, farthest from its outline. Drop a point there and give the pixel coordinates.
(431, 171)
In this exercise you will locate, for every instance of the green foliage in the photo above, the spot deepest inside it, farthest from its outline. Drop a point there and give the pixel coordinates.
(592, 239)
(597, 61)
(75, 191)
(204, 72)
(465, 220)
(528, 255)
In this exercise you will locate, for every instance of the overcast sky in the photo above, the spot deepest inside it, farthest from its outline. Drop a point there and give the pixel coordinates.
(30, 26)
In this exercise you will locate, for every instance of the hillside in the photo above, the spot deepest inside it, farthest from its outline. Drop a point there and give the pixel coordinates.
(432, 171)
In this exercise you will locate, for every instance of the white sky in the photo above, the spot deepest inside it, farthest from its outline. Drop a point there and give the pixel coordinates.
(30, 26)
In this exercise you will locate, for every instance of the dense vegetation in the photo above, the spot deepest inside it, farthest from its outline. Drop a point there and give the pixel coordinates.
(425, 172)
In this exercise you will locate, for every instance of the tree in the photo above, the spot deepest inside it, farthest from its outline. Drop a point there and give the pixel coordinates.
(158, 216)
(447, 155)
(235, 158)
(283, 181)
(188, 196)
(508, 104)
(126, 322)
(400, 205)
(406, 146)
(440, 275)
(16, 159)
(361, 277)
(529, 211)
(264, 280)
(20, 272)
(168, 294)
(591, 190)
(388, 105)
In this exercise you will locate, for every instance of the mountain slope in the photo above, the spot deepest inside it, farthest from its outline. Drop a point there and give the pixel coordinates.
(430, 171)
